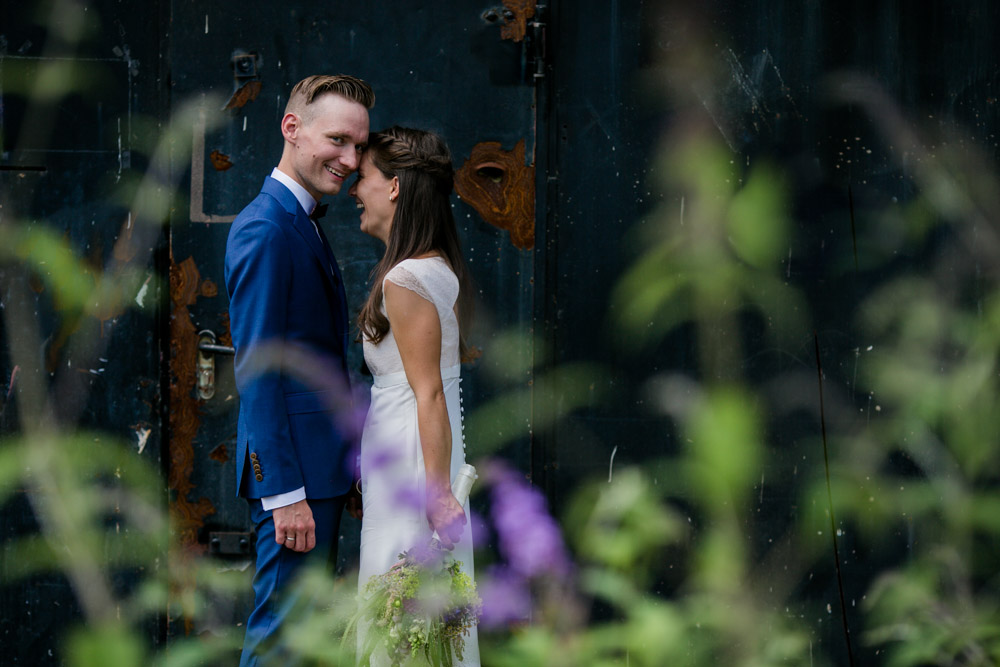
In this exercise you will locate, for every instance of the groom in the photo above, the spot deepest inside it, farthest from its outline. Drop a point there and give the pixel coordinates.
(287, 306)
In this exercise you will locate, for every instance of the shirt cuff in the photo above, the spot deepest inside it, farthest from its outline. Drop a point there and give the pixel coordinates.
(283, 499)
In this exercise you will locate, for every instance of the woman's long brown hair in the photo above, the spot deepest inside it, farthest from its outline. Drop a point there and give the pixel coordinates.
(423, 222)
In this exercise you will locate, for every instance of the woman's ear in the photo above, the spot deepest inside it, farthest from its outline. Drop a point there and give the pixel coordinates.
(394, 190)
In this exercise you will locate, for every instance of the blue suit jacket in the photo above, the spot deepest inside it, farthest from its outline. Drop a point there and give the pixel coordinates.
(286, 303)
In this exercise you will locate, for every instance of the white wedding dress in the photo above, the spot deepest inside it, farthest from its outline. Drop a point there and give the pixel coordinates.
(392, 462)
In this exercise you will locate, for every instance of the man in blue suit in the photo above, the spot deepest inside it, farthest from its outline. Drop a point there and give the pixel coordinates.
(288, 315)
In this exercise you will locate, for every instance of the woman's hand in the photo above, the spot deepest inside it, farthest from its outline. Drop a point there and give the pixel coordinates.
(445, 516)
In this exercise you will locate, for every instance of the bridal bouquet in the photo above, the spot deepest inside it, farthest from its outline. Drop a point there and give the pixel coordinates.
(425, 605)
(421, 606)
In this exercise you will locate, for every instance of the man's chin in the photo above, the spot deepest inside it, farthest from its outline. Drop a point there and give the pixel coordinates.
(332, 189)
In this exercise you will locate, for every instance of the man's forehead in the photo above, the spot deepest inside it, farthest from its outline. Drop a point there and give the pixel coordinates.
(338, 115)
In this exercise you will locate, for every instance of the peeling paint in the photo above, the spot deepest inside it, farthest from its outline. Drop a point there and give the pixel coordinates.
(140, 298)
(220, 454)
(143, 435)
(220, 161)
(516, 25)
(248, 92)
(189, 516)
(501, 188)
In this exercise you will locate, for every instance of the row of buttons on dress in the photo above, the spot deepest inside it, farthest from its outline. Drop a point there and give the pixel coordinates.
(461, 415)
(258, 474)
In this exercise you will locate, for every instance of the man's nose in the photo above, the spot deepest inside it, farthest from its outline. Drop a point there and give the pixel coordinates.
(351, 158)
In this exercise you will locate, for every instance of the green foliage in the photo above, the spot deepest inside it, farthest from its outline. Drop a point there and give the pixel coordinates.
(622, 526)
(557, 393)
(110, 644)
(714, 251)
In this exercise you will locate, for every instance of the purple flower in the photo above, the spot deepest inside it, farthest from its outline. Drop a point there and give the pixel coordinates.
(529, 538)
(505, 597)
(407, 498)
(480, 530)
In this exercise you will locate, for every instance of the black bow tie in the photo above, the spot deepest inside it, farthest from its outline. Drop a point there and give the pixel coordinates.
(318, 212)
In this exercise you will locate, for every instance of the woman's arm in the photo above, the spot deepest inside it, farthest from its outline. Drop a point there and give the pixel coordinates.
(417, 330)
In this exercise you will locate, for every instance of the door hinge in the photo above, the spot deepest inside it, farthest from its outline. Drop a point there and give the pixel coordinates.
(535, 42)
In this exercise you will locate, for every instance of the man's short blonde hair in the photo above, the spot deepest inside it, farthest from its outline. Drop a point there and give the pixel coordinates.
(308, 89)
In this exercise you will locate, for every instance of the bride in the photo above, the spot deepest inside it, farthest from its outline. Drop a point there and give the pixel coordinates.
(412, 327)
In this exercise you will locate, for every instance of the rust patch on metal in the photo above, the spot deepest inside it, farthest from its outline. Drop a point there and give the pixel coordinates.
(501, 188)
(187, 516)
(515, 28)
(225, 334)
(209, 289)
(248, 92)
(220, 161)
(220, 454)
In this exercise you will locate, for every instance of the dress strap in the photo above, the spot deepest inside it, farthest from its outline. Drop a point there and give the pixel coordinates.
(393, 379)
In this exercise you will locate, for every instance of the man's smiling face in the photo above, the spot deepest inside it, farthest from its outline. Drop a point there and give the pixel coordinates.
(326, 143)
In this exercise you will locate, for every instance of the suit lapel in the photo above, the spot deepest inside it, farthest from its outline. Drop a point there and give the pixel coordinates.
(304, 226)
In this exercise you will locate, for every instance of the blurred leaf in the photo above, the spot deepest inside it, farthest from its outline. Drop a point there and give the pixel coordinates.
(609, 584)
(758, 218)
(47, 81)
(208, 649)
(655, 631)
(646, 297)
(724, 433)
(28, 555)
(928, 613)
(105, 645)
(510, 357)
(51, 258)
(623, 526)
(12, 468)
(553, 395)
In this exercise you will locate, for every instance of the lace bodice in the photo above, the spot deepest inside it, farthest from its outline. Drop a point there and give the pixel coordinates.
(434, 280)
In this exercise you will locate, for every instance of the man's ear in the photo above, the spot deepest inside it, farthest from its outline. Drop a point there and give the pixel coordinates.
(290, 125)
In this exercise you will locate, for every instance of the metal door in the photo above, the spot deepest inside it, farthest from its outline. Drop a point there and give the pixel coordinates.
(467, 72)
(78, 81)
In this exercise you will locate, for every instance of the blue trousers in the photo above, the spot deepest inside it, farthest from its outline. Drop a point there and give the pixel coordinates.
(277, 567)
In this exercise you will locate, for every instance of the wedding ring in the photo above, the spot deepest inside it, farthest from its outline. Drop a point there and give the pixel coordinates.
(289, 539)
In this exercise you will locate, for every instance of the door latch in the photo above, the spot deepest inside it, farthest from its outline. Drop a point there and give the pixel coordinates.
(208, 347)
(224, 543)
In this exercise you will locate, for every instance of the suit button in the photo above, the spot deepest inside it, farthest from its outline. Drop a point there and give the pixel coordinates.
(253, 456)
(260, 478)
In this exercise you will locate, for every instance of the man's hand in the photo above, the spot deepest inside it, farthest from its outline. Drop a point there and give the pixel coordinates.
(446, 516)
(355, 505)
(294, 526)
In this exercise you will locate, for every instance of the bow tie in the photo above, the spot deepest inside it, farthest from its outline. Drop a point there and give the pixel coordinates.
(318, 212)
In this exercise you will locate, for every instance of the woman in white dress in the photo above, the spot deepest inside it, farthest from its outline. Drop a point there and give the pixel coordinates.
(412, 328)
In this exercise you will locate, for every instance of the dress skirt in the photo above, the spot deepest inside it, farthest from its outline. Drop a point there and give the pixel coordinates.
(393, 482)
